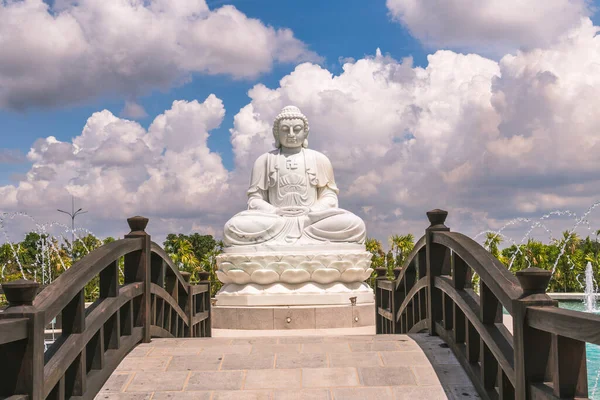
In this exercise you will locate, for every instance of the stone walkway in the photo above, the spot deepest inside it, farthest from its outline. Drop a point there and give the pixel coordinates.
(307, 367)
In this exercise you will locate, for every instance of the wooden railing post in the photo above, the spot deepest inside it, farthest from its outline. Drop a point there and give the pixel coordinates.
(381, 274)
(22, 366)
(189, 304)
(137, 269)
(531, 346)
(435, 254)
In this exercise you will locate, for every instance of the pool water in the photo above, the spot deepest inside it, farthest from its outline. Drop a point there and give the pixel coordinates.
(593, 354)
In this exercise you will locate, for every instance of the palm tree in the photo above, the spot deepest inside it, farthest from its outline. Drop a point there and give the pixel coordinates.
(402, 245)
(492, 241)
(184, 257)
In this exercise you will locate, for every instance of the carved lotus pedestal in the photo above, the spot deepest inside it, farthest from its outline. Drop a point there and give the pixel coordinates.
(300, 287)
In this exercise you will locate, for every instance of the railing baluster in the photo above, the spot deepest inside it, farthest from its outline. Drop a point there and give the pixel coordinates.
(112, 332)
(489, 366)
(73, 315)
(126, 316)
(109, 281)
(459, 325)
(75, 377)
(489, 306)
(472, 343)
(506, 391)
(569, 367)
(95, 351)
(460, 272)
(447, 309)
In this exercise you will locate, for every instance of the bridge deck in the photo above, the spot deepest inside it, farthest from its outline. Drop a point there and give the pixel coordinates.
(343, 367)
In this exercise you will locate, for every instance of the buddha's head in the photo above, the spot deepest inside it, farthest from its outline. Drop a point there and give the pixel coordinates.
(290, 128)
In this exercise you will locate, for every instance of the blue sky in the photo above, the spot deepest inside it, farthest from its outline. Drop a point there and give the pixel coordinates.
(498, 95)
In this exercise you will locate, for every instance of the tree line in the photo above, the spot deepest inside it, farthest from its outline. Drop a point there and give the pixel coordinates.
(43, 258)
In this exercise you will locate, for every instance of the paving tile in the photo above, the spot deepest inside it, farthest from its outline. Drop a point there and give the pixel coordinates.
(329, 377)
(386, 376)
(202, 362)
(229, 349)
(275, 348)
(374, 346)
(157, 381)
(363, 359)
(348, 338)
(181, 396)
(215, 380)
(404, 358)
(242, 395)
(362, 393)
(426, 375)
(462, 393)
(273, 379)
(144, 364)
(307, 360)
(140, 351)
(204, 342)
(255, 340)
(450, 375)
(302, 394)
(419, 393)
(300, 339)
(123, 396)
(325, 348)
(173, 351)
(444, 356)
(116, 382)
(252, 361)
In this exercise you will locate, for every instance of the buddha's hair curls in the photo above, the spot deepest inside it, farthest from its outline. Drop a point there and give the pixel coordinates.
(289, 112)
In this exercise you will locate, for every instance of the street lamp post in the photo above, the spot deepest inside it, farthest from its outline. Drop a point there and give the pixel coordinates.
(73, 214)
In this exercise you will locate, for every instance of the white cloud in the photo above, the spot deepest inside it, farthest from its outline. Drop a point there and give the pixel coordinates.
(489, 26)
(486, 140)
(79, 50)
(117, 169)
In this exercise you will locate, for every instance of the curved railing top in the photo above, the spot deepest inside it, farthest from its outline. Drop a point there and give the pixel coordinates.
(57, 295)
(493, 273)
(420, 244)
(156, 249)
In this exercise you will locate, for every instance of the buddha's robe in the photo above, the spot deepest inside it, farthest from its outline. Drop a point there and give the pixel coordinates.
(303, 180)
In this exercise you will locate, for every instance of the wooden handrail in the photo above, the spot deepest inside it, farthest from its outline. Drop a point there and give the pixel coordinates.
(156, 300)
(492, 272)
(53, 299)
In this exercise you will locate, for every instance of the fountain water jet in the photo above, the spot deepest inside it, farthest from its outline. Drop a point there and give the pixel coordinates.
(590, 289)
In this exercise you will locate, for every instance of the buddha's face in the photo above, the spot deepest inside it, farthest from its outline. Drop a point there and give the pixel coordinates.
(291, 132)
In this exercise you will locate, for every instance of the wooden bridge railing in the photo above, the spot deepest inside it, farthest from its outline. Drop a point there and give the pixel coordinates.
(544, 356)
(156, 300)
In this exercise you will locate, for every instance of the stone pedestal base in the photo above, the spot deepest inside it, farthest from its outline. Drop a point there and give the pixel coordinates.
(303, 294)
(293, 317)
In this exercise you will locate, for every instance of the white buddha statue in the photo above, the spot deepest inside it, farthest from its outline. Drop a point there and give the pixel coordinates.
(292, 197)
(293, 245)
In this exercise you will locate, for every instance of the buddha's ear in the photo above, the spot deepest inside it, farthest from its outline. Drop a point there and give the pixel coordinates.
(277, 143)
(305, 143)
